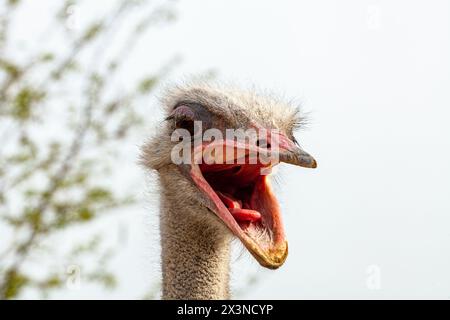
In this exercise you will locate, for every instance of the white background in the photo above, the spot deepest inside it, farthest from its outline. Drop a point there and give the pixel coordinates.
(372, 221)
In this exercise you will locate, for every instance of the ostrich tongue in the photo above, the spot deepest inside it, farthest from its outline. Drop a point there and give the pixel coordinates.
(243, 216)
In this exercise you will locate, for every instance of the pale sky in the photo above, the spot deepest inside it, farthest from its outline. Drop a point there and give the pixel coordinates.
(373, 220)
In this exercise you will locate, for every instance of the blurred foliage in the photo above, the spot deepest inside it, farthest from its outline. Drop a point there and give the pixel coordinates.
(50, 183)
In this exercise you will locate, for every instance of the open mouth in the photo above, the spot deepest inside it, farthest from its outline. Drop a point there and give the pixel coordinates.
(242, 198)
(248, 198)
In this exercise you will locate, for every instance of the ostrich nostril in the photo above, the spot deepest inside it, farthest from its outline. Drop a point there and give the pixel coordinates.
(263, 143)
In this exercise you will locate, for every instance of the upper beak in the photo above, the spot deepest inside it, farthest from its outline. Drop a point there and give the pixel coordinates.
(298, 157)
(289, 152)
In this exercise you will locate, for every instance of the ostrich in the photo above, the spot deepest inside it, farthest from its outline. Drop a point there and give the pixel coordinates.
(205, 206)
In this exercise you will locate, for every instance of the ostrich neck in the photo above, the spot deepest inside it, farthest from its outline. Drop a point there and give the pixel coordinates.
(195, 253)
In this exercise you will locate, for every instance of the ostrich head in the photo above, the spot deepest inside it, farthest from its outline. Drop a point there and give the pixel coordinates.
(228, 197)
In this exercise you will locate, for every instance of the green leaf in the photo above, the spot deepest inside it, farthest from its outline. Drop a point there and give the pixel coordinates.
(92, 31)
(51, 282)
(105, 278)
(13, 283)
(13, 2)
(24, 101)
(98, 194)
(85, 214)
(10, 68)
(47, 57)
(34, 218)
(146, 85)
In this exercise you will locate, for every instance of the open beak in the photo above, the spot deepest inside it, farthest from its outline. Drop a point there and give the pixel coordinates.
(243, 198)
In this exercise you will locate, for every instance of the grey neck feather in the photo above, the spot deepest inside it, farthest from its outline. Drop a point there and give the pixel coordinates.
(195, 247)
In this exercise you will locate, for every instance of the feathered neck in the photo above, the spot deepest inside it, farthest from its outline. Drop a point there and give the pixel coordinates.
(195, 247)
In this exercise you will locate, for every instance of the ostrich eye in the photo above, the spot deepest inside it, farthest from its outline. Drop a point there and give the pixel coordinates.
(188, 115)
(187, 124)
(183, 117)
